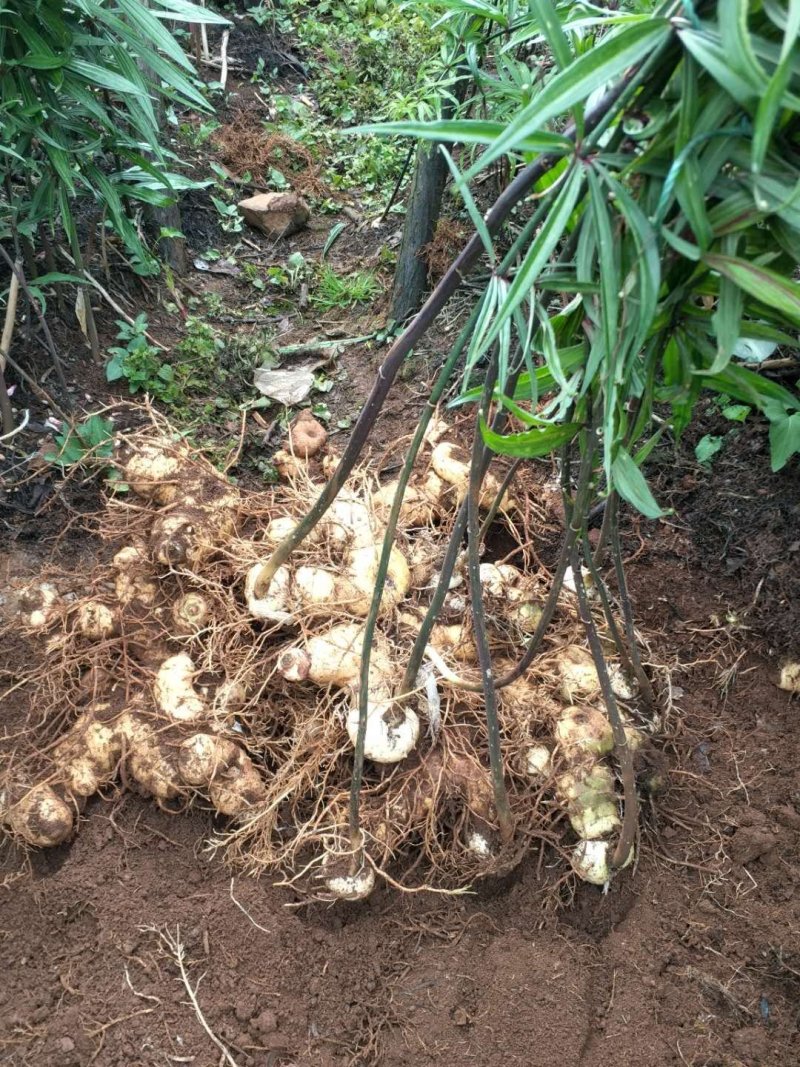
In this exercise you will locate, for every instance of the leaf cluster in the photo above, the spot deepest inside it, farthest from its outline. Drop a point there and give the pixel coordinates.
(81, 85)
(663, 240)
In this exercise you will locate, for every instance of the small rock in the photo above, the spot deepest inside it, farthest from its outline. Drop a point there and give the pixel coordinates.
(245, 1008)
(266, 1023)
(66, 1045)
(276, 214)
(749, 844)
(460, 1017)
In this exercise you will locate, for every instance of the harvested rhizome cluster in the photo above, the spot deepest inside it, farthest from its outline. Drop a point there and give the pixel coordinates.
(177, 670)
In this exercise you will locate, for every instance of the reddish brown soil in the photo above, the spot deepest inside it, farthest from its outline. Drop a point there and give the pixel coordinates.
(692, 958)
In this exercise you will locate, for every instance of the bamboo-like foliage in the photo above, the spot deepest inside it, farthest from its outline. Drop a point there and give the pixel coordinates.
(681, 207)
(79, 84)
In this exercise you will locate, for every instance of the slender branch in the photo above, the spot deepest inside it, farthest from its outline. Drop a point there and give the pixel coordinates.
(605, 526)
(630, 815)
(5, 346)
(476, 475)
(175, 948)
(383, 566)
(448, 566)
(582, 495)
(17, 270)
(37, 389)
(608, 611)
(499, 497)
(648, 695)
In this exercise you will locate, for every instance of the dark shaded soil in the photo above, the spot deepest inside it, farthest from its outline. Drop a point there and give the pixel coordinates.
(745, 524)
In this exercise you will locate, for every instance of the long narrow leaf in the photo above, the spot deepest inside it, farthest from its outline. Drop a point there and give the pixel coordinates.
(540, 251)
(530, 443)
(630, 483)
(771, 288)
(577, 82)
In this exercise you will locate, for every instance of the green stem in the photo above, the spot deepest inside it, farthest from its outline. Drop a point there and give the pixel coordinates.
(499, 497)
(448, 565)
(648, 695)
(608, 611)
(512, 195)
(605, 526)
(504, 820)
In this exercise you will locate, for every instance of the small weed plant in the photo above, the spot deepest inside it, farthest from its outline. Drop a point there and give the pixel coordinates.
(334, 290)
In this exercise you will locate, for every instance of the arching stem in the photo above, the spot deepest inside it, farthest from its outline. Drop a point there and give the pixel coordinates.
(647, 693)
(512, 195)
(504, 820)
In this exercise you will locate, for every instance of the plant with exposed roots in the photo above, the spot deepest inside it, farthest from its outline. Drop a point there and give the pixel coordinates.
(192, 679)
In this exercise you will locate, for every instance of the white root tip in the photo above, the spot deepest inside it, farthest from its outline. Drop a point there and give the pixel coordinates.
(272, 604)
(352, 886)
(538, 762)
(479, 845)
(294, 664)
(790, 677)
(591, 861)
(390, 736)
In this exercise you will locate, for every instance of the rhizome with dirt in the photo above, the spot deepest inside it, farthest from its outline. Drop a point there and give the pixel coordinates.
(155, 933)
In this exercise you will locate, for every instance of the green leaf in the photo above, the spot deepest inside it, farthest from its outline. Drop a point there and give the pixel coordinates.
(736, 412)
(104, 78)
(539, 252)
(471, 7)
(770, 103)
(630, 483)
(530, 443)
(728, 316)
(610, 282)
(96, 431)
(708, 51)
(553, 31)
(784, 439)
(333, 235)
(475, 215)
(771, 288)
(465, 131)
(707, 447)
(594, 69)
(184, 11)
(751, 388)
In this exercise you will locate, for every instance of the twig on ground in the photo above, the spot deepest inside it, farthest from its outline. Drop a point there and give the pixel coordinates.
(16, 270)
(17, 429)
(5, 345)
(244, 911)
(223, 54)
(174, 947)
(116, 307)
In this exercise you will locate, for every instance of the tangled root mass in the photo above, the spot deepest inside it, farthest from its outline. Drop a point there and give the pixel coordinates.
(177, 669)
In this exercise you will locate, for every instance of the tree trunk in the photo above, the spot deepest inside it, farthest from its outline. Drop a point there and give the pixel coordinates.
(422, 214)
